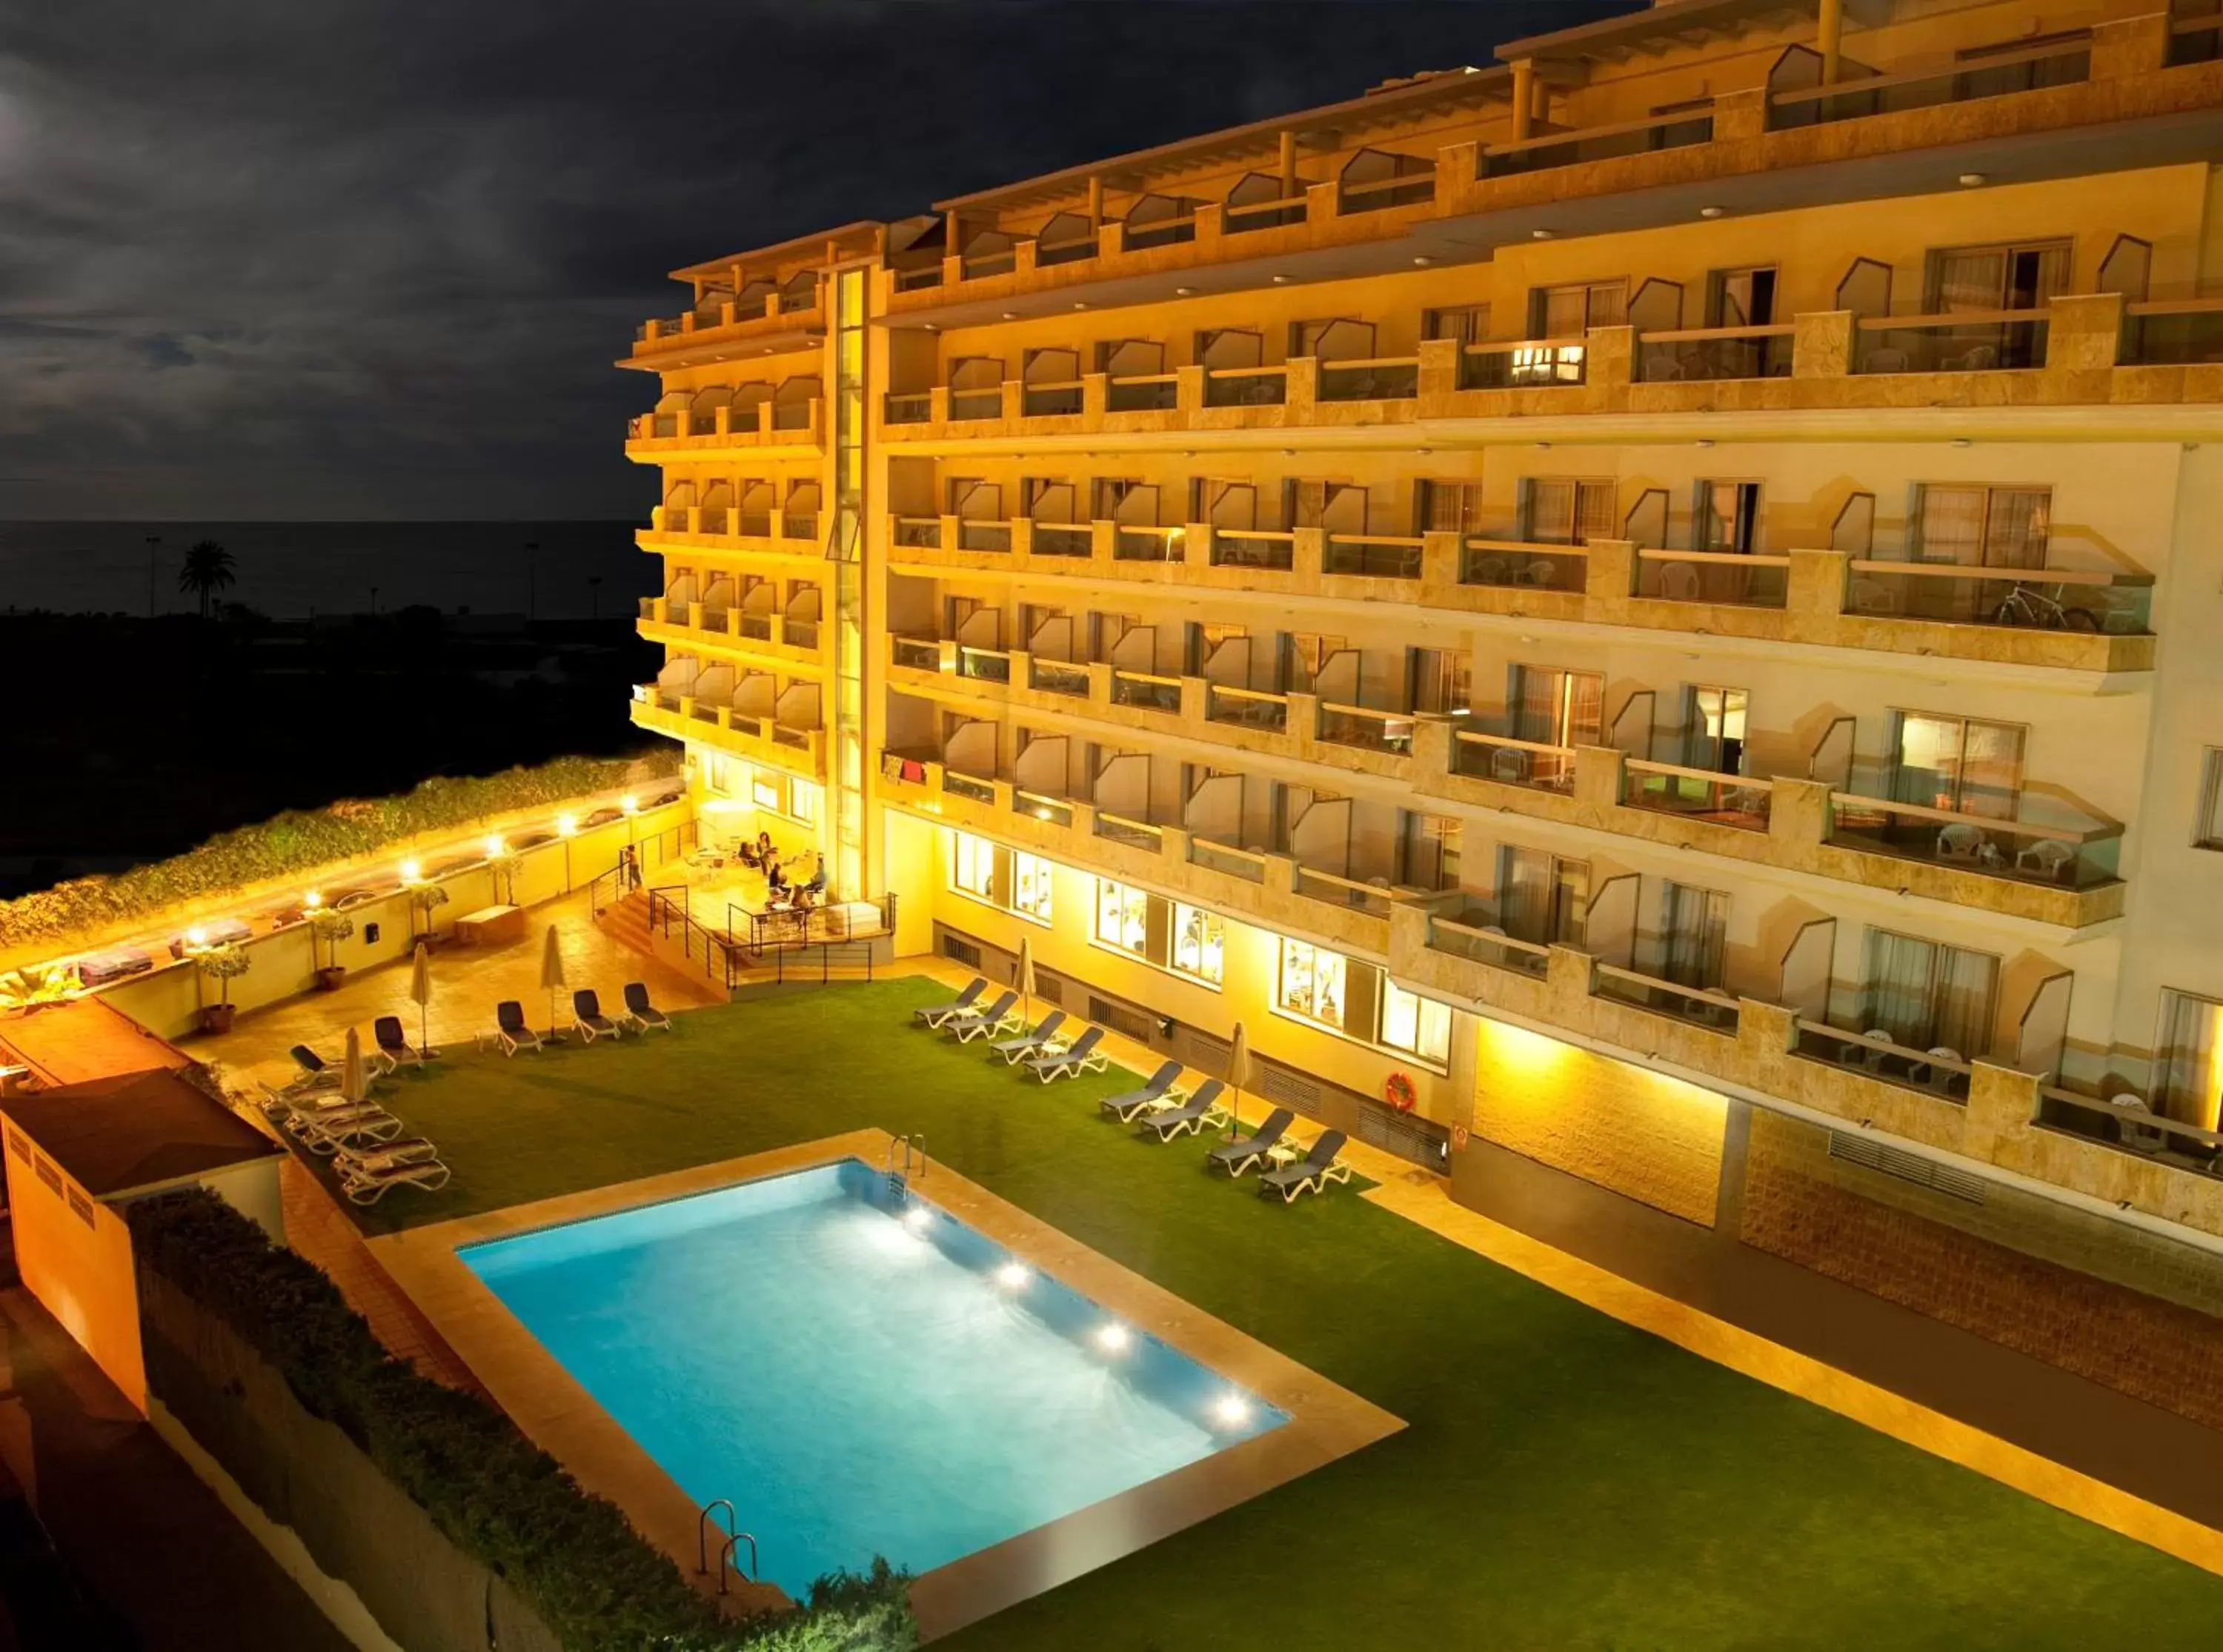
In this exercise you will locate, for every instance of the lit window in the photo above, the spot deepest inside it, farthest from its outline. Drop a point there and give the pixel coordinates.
(716, 773)
(1031, 886)
(1122, 917)
(973, 869)
(2207, 831)
(802, 800)
(763, 791)
(2188, 1060)
(1419, 1026)
(1200, 939)
(1313, 981)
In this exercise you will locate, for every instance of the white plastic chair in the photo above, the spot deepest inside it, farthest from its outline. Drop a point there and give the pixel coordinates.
(1508, 765)
(2048, 857)
(1678, 583)
(1960, 841)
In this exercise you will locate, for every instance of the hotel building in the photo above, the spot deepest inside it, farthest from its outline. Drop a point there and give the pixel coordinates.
(1660, 600)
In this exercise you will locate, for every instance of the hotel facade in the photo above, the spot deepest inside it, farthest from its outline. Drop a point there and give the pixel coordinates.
(1648, 618)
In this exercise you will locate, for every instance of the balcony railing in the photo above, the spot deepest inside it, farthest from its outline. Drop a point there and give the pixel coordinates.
(1261, 214)
(980, 534)
(915, 653)
(800, 633)
(1407, 189)
(1698, 793)
(1979, 342)
(1050, 400)
(1740, 580)
(1246, 709)
(1520, 565)
(1524, 364)
(1001, 261)
(1470, 936)
(919, 533)
(1268, 547)
(979, 789)
(1246, 864)
(1596, 143)
(1513, 762)
(1697, 1005)
(2133, 1130)
(1063, 539)
(1165, 232)
(909, 407)
(1990, 76)
(1716, 352)
(976, 403)
(2028, 599)
(1146, 692)
(1139, 834)
(1141, 393)
(1071, 250)
(2076, 858)
(911, 280)
(1057, 677)
(2174, 335)
(757, 627)
(1373, 555)
(1940, 1072)
(1134, 543)
(986, 664)
(1055, 810)
(1389, 378)
(1246, 386)
(1368, 729)
(1337, 890)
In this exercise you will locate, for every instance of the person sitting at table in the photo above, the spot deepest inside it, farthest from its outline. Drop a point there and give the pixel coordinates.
(800, 897)
(817, 884)
(775, 877)
(749, 856)
(764, 851)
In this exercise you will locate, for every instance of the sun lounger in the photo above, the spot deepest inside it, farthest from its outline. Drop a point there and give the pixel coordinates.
(316, 1072)
(587, 1017)
(1083, 1056)
(385, 1155)
(325, 1133)
(1038, 1042)
(640, 1015)
(1128, 1103)
(1192, 1118)
(369, 1186)
(509, 1028)
(1309, 1174)
(934, 1014)
(386, 1032)
(1248, 1152)
(999, 1017)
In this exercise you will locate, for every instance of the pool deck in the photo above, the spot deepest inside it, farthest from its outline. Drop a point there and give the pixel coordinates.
(1326, 1421)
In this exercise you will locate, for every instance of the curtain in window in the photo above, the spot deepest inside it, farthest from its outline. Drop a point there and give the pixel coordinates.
(1564, 309)
(2014, 534)
(1551, 512)
(1693, 924)
(1896, 995)
(1585, 709)
(1990, 777)
(1595, 512)
(1962, 1002)
(1524, 894)
(1950, 525)
(2190, 1080)
(1971, 280)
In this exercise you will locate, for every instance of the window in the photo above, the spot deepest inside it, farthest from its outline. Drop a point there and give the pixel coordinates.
(1446, 507)
(1312, 983)
(1716, 735)
(973, 868)
(2207, 830)
(1741, 298)
(764, 790)
(1570, 311)
(1929, 997)
(1418, 1026)
(2188, 1060)
(1030, 885)
(1978, 527)
(1200, 943)
(1561, 511)
(1468, 322)
(802, 800)
(717, 773)
(1693, 924)
(1441, 681)
(1542, 898)
(1957, 763)
(1726, 517)
(1554, 708)
(1122, 917)
(1963, 279)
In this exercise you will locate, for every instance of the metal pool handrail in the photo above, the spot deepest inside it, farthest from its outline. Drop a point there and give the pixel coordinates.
(725, 1562)
(702, 1528)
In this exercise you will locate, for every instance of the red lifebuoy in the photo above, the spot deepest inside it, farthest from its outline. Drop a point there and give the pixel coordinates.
(1399, 1093)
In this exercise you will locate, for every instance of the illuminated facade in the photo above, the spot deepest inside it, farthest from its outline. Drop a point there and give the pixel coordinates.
(1662, 581)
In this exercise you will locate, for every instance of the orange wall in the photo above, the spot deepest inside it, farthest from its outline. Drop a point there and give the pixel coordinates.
(84, 1276)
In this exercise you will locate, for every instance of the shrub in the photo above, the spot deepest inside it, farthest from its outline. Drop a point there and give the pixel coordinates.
(302, 839)
(498, 1498)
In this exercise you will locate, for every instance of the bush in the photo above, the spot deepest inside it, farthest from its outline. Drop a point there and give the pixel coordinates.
(300, 840)
(498, 1498)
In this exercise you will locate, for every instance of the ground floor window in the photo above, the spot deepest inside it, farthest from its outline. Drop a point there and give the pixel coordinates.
(1200, 943)
(1418, 1025)
(763, 791)
(972, 867)
(1030, 885)
(1313, 983)
(1122, 917)
(802, 800)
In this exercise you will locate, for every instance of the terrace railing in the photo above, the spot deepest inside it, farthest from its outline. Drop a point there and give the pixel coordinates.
(1991, 76)
(1388, 378)
(1246, 864)
(1708, 353)
(1375, 555)
(1485, 943)
(1367, 728)
(1734, 578)
(1249, 708)
(1524, 364)
(1596, 143)
(1970, 341)
(1700, 1006)
(2073, 857)
(1513, 762)
(1699, 793)
(2027, 599)
(1518, 564)
(1267, 548)
(1246, 386)
(1939, 1073)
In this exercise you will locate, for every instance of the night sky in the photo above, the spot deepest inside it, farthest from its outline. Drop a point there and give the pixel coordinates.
(372, 258)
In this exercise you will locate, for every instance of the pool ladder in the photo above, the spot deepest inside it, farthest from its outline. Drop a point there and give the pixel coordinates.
(705, 1525)
(911, 1145)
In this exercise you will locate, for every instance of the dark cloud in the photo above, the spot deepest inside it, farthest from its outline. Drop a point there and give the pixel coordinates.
(372, 257)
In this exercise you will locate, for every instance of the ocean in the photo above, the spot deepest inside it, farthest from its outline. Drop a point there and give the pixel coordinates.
(290, 571)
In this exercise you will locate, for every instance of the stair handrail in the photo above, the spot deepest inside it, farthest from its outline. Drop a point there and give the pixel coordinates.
(726, 1563)
(703, 1522)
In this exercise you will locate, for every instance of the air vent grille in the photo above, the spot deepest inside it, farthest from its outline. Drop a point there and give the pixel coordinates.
(1871, 1154)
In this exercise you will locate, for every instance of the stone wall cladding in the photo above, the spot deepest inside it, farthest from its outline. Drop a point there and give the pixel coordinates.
(1835, 1219)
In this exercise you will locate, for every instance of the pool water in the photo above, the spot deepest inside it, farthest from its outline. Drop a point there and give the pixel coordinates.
(859, 1372)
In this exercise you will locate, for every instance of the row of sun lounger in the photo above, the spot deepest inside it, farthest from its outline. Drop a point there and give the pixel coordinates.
(1155, 1107)
(369, 1152)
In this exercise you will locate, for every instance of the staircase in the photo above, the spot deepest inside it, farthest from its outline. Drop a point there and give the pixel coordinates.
(625, 921)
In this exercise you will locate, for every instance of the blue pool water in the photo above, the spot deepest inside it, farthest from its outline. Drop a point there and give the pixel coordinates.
(859, 1380)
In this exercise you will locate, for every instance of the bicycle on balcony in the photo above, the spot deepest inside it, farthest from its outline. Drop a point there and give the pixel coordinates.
(2036, 609)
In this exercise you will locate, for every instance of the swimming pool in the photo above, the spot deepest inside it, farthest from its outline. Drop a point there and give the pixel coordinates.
(858, 1371)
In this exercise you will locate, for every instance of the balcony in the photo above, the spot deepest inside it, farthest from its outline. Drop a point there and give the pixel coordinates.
(1389, 378)
(1058, 677)
(1525, 364)
(2087, 600)
(1989, 342)
(1697, 794)
(1715, 1011)
(1517, 565)
(1530, 764)
(729, 321)
(715, 529)
(730, 629)
(1994, 75)
(1374, 557)
(787, 424)
(1710, 353)
(1740, 580)
(759, 738)
(1470, 932)
(1364, 728)
(2139, 1135)
(1556, 149)
(1246, 709)
(1941, 1073)
(2185, 333)
(1147, 692)
(2056, 857)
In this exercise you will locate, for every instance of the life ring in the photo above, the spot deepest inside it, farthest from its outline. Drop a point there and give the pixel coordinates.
(1399, 1093)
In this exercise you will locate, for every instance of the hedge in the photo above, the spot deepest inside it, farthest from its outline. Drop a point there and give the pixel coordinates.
(300, 840)
(594, 1580)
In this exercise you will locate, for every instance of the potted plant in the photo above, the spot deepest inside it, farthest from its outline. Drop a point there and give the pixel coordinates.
(33, 985)
(502, 863)
(332, 929)
(425, 898)
(220, 963)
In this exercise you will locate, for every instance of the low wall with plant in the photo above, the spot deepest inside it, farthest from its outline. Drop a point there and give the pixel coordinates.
(85, 911)
(454, 1530)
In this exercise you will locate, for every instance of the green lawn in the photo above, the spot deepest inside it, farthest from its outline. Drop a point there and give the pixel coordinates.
(1565, 1481)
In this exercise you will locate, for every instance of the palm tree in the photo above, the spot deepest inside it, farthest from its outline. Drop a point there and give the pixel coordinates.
(207, 570)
